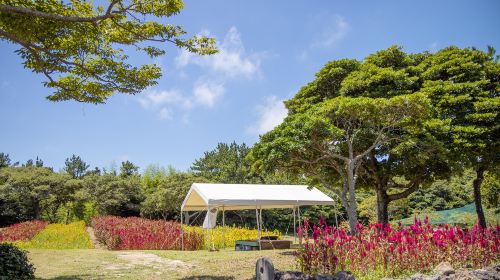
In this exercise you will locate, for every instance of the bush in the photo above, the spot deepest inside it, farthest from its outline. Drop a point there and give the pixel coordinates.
(14, 263)
(135, 233)
(59, 236)
(21, 231)
(385, 251)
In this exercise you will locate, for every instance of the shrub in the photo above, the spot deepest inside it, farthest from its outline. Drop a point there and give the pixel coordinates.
(386, 251)
(21, 231)
(135, 233)
(60, 236)
(14, 263)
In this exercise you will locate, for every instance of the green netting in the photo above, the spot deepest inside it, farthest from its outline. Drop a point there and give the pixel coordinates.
(463, 215)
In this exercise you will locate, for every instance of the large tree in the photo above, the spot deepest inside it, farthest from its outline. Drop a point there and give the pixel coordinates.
(464, 87)
(398, 168)
(330, 140)
(78, 46)
(75, 166)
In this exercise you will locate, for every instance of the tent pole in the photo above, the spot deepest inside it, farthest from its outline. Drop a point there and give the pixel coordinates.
(294, 229)
(182, 233)
(300, 218)
(258, 225)
(223, 228)
(209, 230)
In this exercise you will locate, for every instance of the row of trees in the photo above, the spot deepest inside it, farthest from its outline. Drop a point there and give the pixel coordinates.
(393, 123)
(33, 191)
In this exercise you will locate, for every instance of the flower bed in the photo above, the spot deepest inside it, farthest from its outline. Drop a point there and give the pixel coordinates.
(21, 231)
(59, 236)
(387, 251)
(134, 233)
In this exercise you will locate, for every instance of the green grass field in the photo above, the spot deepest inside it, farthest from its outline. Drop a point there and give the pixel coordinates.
(104, 264)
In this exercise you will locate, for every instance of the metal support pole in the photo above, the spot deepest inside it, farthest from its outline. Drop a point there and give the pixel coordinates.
(258, 224)
(182, 233)
(298, 216)
(223, 228)
(294, 229)
(209, 230)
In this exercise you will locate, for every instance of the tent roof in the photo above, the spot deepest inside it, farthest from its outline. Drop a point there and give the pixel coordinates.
(249, 196)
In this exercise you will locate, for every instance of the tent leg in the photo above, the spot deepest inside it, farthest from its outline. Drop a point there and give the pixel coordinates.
(223, 228)
(258, 225)
(294, 229)
(300, 224)
(182, 234)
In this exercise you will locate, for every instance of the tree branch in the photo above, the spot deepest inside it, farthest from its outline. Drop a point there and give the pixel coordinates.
(21, 10)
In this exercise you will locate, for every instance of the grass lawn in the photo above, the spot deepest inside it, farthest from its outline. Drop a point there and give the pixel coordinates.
(104, 264)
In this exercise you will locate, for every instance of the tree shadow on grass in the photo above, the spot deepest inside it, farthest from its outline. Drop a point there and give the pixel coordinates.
(69, 277)
(208, 277)
(287, 253)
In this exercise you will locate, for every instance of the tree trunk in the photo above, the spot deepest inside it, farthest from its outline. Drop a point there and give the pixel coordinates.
(477, 196)
(382, 206)
(353, 204)
(187, 217)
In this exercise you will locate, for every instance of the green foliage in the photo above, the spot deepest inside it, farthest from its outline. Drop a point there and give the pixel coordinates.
(14, 263)
(75, 166)
(226, 164)
(4, 160)
(79, 46)
(164, 197)
(490, 190)
(27, 193)
(114, 195)
(128, 169)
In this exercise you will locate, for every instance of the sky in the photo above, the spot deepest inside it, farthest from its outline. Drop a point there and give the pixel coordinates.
(268, 50)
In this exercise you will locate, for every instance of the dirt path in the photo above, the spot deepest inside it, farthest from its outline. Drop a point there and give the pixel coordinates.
(96, 243)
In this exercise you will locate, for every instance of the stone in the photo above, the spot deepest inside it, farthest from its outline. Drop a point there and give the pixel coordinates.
(343, 275)
(490, 273)
(264, 269)
(292, 275)
(444, 268)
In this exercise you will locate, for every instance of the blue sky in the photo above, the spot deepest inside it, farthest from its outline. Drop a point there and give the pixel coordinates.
(268, 50)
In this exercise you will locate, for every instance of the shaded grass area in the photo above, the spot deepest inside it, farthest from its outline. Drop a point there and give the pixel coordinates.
(188, 265)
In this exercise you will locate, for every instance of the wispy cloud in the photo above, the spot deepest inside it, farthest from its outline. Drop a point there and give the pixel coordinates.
(207, 93)
(232, 60)
(334, 30)
(230, 63)
(269, 115)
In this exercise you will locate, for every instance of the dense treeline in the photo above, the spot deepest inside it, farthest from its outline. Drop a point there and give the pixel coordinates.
(34, 191)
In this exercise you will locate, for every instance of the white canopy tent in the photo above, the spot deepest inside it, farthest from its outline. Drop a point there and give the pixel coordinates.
(207, 197)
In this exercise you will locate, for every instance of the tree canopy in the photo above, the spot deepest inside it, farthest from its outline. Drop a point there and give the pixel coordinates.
(333, 123)
(79, 47)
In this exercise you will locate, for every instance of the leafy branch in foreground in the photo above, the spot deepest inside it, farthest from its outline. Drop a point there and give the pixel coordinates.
(78, 46)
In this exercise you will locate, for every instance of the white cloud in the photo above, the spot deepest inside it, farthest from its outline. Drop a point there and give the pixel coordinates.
(165, 114)
(231, 61)
(334, 29)
(332, 33)
(206, 94)
(155, 99)
(270, 114)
